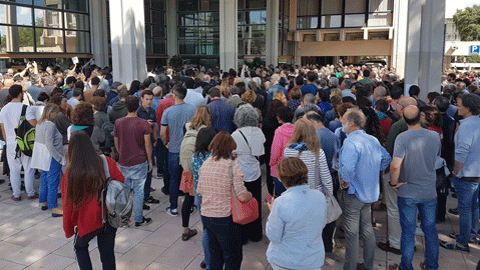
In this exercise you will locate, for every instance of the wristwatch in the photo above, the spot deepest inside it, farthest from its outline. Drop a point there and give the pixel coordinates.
(390, 183)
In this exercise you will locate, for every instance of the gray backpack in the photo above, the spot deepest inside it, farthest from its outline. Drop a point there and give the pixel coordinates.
(117, 199)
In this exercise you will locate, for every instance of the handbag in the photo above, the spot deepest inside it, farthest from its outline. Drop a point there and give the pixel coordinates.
(186, 183)
(334, 211)
(242, 212)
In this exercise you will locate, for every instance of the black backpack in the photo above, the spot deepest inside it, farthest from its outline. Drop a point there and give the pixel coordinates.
(25, 135)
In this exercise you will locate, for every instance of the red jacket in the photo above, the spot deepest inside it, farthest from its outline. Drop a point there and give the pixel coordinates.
(89, 217)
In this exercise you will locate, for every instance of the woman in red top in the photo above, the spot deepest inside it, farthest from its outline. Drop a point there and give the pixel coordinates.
(432, 118)
(81, 190)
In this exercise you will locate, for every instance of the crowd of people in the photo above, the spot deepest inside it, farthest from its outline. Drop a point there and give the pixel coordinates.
(331, 133)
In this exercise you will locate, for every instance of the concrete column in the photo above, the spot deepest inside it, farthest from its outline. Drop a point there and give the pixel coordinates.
(400, 11)
(99, 32)
(273, 13)
(172, 33)
(292, 15)
(127, 28)
(228, 34)
(425, 38)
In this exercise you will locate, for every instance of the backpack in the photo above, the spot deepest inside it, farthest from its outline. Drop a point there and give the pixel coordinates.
(107, 128)
(25, 135)
(117, 199)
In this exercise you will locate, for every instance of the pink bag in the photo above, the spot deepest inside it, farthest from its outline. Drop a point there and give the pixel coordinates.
(242, 212)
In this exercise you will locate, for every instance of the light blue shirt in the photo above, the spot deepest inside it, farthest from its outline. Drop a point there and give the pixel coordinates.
(274, 88)
(294, 228)
(348, 93)
(194, 98)
(362, 158)
(467, 146)
(73, 102)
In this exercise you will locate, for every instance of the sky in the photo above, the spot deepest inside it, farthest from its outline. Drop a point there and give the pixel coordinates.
(451, 6)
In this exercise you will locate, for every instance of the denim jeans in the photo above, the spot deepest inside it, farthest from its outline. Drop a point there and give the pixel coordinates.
(408, 220)
(135, 179)
(358, 223)
(468, 212)
(206, 251)
(175, 171)
(224, 243)
(49, 184)
(279, 187)
(106, 244)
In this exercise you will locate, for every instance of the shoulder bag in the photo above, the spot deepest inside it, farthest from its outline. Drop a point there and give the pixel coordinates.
(333, 208)
(242, 212)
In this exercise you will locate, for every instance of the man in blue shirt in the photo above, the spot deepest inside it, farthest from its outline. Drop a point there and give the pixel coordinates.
(222, 112)
(174, 119)
(275, 86)
(362, 157)
(466, 170)
(310, 87)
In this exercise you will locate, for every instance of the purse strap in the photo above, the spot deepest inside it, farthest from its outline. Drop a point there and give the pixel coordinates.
(230, 173)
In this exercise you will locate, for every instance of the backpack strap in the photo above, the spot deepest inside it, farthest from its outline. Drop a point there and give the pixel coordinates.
(105, 166)
(24, 112)
(104, 190)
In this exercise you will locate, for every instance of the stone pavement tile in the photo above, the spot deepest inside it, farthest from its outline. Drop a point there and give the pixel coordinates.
(139, 256)
(35, 251)
(33, 233)
(254, 260)
(6, 231)
(97, 263)
(67, 249)
(59, 233)
(7, 249)
(181, 253)
(161, 266)
(51, 262)
(165, 236)
(472, 258)
(379, 265)
(129, 238)
(28, 220)
(159, 217)
(449, 259)
(195, 264)
(260, 246)
(10, 265)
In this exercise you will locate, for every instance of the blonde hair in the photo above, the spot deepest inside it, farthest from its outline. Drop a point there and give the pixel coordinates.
(336, 92)
(201, 117)
(249, 97)
(225, 88)
(279, 95)
(305, 132)
(49, 109)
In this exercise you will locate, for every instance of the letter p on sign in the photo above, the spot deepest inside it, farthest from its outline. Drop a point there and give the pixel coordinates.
(474, 49)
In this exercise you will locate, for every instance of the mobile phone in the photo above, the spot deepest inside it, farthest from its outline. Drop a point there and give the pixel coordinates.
(269, 198)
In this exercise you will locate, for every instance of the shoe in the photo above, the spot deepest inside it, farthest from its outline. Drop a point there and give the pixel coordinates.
(203, 265)
(17, 199)
(33, 197)
(159, 175)
(386, 247)
(2, 181)
(191, 233)
(455, 246)
(193, 209)
(151, 200)
(145, 221)
(473, 240)
(152, 189)
(171, 212)
(44, 207)
(181, 193)
(146, 207)
(165, 191)
(56, 215)
(423, 266)
(453, 211)
(419, 232)
(361, 266)
(454, 195)
(393, 266)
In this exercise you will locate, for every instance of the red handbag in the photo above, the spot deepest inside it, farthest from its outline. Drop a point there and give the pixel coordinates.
(242, 212)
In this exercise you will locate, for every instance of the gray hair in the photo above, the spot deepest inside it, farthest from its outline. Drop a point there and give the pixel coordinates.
(234, 90)
(257, 81)
(323, 82)
(333, 81)
(246, 116)
(309, 99)
(276, 77)
(356, 116)
(452, 87)
(347, 83)
(35, 78)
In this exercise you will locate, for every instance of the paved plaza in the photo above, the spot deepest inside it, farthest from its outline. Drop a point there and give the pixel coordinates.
(32, 239)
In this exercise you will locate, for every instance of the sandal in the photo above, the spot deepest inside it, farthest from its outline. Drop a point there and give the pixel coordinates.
(191, 233)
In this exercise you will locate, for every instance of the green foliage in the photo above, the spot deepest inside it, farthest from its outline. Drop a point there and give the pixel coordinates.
(469, 59)
(176, 61)
(468, 23)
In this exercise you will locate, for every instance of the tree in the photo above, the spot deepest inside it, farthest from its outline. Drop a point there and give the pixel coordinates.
(468, 23)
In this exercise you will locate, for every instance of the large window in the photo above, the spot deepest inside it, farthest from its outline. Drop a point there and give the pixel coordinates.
(155, 27)
(252, 20)
(44, 26)
(320, 14)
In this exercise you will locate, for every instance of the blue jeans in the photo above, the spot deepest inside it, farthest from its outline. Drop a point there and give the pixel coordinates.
(49, 184)
(175, 172)
(279, 187)
(206, 251)
(407, 209)
(224, 243)
(135, 177)
(468, 212)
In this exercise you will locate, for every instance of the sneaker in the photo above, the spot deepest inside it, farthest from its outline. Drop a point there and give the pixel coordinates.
(165, 191)
(171, 212)
(455, 246)
(144, 222)
(203, 265)
(146, 207)
(150, 199)
(191, 233)
(454, 195)
(193, 209)
(33, 197)
(386, 247)
(453, 211)
(419, 232)
(473, 239)
(159, 175)
(17, 199)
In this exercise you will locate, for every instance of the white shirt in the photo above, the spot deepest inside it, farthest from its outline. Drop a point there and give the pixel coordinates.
(10, 118)
(246, 152)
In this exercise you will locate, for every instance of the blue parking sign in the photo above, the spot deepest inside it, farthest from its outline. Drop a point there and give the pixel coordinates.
(474, 49)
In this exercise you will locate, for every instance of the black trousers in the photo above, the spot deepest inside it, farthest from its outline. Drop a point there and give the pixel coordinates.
(327, 236)
(106, 243)
(253, 230)
(186, 208)
(442, 203)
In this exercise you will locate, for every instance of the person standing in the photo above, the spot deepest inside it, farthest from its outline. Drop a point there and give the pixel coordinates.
(362, 157)
(173, 120)
(222, 112)
(134, 146)
(466, 170)
(413, 176)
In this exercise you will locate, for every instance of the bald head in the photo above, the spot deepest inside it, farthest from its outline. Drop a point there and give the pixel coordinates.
(411, 115)
(379, 93)
(405, 102)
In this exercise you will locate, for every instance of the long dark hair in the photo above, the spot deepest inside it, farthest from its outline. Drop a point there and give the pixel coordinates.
(204, 138)
(86, 174)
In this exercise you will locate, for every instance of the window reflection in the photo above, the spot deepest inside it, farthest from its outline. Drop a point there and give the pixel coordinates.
(48, 18)
(16, 39)
(77, 41)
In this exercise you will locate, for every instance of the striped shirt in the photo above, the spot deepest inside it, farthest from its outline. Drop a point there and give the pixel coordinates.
(214, 185)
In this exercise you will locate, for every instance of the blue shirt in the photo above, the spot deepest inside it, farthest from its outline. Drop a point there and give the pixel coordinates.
(467, 146)
(175, 117)
(294, 228)
(194, 98)
(309, 88)
(330, 145)
(156, 100)
(197, 162)
(222, 115)
(73, 102)
(362, 158)
(274, 88)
